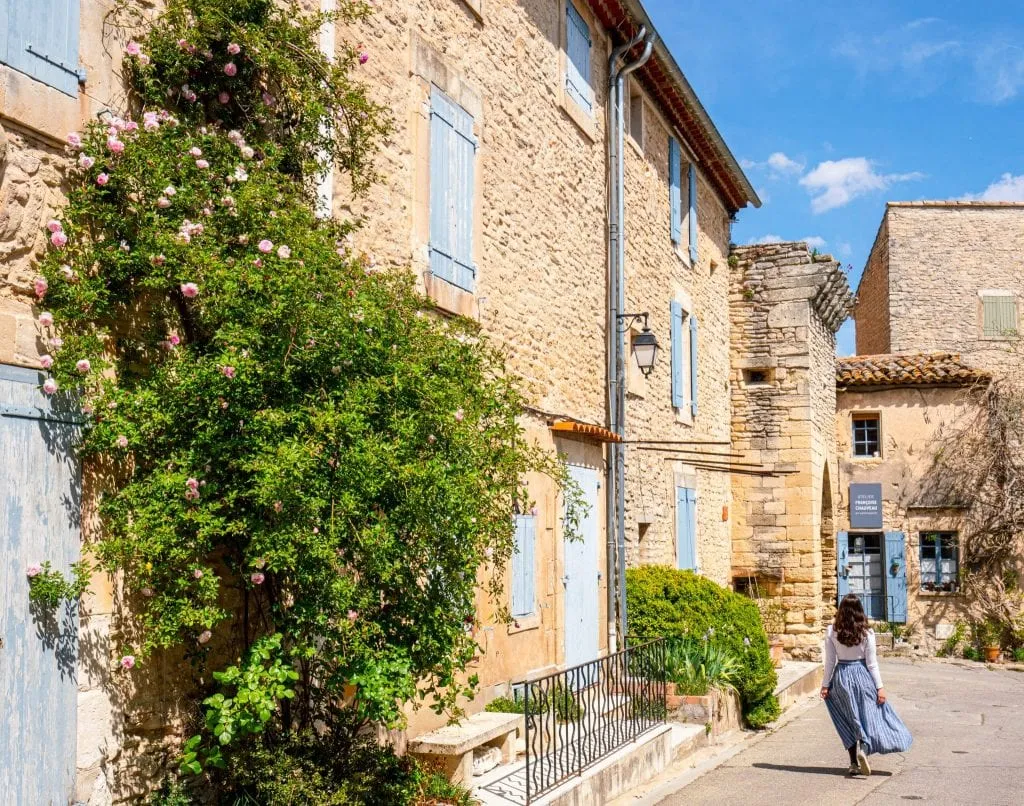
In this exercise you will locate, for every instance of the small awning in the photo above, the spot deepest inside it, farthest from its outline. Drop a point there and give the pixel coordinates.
(594, 432)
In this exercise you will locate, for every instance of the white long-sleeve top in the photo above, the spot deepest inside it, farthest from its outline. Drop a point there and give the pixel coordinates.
(865, 651)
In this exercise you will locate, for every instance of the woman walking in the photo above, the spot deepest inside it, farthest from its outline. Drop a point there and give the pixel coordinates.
(853, 690)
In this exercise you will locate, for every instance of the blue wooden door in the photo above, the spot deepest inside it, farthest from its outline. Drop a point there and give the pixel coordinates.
(896, 577)
(582, 574)
(40, 507)
(686, 528)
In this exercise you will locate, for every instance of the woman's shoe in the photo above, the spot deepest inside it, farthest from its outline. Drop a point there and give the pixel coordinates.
(853, 771)
(862, 761)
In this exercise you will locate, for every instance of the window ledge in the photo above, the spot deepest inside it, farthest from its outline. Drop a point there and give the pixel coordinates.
(448, 297)
(868, 459)
(524, 623)
(683, 253)
(583, 120)
(923, 594)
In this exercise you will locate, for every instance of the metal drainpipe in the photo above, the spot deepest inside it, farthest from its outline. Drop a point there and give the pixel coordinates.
(615, 526)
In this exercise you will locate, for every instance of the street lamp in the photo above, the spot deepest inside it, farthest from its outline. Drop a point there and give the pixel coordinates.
(645, 343)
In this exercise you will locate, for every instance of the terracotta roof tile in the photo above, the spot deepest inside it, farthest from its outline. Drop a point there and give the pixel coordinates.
(913, 369)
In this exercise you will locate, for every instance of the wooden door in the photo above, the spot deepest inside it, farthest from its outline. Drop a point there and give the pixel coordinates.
(582, 594)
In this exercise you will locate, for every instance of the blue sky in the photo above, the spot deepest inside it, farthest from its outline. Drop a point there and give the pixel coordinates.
(833, 108)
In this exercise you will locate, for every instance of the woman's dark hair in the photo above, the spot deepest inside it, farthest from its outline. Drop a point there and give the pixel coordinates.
(851, 624)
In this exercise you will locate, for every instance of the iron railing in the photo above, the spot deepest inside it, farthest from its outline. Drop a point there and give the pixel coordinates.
(577, 717)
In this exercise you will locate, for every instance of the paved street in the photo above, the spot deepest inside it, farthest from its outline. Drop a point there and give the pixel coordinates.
(968, 727)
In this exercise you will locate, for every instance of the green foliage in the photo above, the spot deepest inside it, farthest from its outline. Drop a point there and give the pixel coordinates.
(559, 700)
(972, 653)
(312, 770)
(763, 713)
(697, 666)
(1018, 654)
(172, 792)
(986, 633)
(47, 588)
(679, 604)
(505, 705)
(290, 433)
(952, 643)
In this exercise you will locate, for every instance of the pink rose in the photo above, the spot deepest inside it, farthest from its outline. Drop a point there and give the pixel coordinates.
(224, 97)
(230, 69)
(364, 57)
(157, 260)
(74, 139)
(85, 161)
(53, 225)
(49, 386)
(46, 361)
(67, 272)
(40, 285)
(234, 49)
(150, 121)
(247, 153)
(83, 365)
(57, 342)
(268, 99)
(228, 372)
(147, 592)
(205, 636)
(163, 202)
(59, 239)
(198, 573)
(170, 190)
(189, 290)
(284, 252)
(192, 483)
(102, 179)
(132, 49)
(122, 441)
(128, 662)
(460, 415)
(265, 246)
(202, 164)
(46, 319)
(195, 152)
(115, 145)
(257, 577)
(352, 616)
(131, 126)
(33, 570)
(174, 339)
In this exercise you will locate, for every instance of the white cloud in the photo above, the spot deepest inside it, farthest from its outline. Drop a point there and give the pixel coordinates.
(765, 239)
(835, 183)
(763, 195)
(814, 241)
(782, 164)
(1007, 188)
(844, 249)
(999, 71)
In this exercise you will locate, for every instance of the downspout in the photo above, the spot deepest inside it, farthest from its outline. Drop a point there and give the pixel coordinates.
(614, 526)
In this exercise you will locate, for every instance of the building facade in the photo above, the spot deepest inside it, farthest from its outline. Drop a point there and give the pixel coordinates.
(899, 535)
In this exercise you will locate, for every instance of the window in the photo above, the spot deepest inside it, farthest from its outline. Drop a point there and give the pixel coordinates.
(684, 358)
(866, 435)
(939, 561)
(999, 315)
(41, 40)
(758, 377)
(680, 201)
(636, 115)
(577, 59)
(452, 158)
(523, 594)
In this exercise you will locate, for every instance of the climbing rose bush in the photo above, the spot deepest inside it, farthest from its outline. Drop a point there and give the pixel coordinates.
(292, 445)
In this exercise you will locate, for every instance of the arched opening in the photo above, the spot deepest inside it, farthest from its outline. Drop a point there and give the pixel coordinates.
(829, 584)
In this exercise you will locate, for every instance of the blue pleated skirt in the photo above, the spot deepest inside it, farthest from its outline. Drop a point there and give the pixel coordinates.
(853, 705)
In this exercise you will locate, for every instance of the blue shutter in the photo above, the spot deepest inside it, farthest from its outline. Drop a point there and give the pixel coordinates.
(896, 577)
(842, 561)
(577, 61)
(693, 364)
(523, 594)
(41, 40)
(686, 528)
(452, 157)
(675, 189)
(693, 214)
(676, 314)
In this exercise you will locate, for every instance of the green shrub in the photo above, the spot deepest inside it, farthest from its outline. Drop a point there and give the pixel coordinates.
(172, 792)
(1018, 654)
(971, 653)
(561, 700)
(698, 666)
(664, 602)
(952, 644)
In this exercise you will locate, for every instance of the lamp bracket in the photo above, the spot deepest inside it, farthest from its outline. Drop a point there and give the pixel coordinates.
(627, 320)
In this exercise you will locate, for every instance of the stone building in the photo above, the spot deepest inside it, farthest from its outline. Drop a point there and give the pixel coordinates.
(944, 276)
(525, 86)
(786, 305)
(898, 537)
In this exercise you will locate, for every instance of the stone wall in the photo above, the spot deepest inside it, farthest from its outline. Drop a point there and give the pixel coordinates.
(786, 305)
(872, 307)
(940, 255)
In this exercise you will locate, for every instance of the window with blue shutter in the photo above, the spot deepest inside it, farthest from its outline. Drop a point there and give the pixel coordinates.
(686, 528)
(40, 39)
(675, 191)
(452, 157)
(896, 577)
(678, 393)
(577, 59)
(999, 316)
(693, 364)
(523, 593)
(693, 214)
(842, 565)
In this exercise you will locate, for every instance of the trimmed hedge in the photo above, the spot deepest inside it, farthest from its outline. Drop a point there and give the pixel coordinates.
(664, 602)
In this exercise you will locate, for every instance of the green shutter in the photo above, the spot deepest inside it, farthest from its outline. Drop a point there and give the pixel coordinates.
(1000, 316)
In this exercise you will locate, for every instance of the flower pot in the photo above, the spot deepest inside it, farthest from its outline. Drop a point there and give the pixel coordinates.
(992, 654)
(775, 647)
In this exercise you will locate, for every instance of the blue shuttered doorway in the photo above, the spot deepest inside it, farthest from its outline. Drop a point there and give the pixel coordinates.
(39, 520)
(686, 528)
(582, 595)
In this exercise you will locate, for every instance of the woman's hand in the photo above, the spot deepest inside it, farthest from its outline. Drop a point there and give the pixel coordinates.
(881, 696)
(824, 692)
